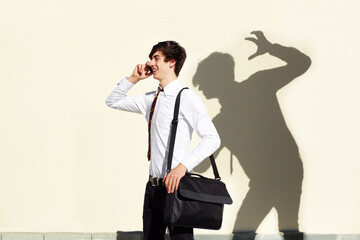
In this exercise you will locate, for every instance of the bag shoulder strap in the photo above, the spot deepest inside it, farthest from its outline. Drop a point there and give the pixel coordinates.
(174, 125)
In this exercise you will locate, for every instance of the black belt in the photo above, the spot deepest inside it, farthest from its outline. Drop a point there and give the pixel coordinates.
(155, 182)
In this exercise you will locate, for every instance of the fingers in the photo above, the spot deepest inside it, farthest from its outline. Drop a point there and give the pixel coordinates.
(251, 39)
(171, 182)
(254, 40)
(172, 179)
(261, 42)
(252, 56)
(139, 69)
(148, 69)
(142, 71)
(258, 34)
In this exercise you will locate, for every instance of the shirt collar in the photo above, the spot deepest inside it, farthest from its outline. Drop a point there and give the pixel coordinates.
(172, 88)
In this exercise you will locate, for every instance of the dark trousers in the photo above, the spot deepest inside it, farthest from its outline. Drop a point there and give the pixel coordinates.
(153, 217)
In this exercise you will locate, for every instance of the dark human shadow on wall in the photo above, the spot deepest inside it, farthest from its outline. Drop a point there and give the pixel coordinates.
(251, 125)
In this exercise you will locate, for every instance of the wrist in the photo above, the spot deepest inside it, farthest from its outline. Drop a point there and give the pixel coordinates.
(269, 46)
(133, 79)
(182, 167)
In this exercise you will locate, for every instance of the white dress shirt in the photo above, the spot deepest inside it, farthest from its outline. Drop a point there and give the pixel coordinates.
(192, 115)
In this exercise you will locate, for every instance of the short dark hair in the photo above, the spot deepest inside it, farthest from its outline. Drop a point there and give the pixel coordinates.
(172, 51)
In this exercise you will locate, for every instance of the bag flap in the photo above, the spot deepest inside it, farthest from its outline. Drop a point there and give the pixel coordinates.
(204, 189)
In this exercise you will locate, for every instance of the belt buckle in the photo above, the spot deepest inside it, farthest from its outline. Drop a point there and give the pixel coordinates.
(154, 181)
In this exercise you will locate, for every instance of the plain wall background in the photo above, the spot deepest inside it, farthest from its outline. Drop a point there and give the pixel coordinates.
(69, 163)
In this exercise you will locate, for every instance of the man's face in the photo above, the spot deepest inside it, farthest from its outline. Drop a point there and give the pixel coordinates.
(160, 68)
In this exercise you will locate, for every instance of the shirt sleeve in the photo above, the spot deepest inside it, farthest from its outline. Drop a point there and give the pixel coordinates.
(119, 100)
(195, 114)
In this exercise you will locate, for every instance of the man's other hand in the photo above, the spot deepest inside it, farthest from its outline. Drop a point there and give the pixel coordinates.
(172, 179)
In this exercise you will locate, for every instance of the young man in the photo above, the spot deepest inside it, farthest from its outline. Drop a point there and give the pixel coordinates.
(166, 61)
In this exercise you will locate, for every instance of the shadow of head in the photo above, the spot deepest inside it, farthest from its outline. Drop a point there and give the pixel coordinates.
(213, 73)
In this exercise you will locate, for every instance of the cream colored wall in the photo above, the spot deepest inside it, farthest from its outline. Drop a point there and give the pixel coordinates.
(69, 163)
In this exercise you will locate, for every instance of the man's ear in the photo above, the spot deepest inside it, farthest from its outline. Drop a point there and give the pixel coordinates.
(172, 63)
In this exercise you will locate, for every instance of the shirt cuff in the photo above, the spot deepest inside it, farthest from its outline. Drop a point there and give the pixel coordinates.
(190, 162)
(125, 84)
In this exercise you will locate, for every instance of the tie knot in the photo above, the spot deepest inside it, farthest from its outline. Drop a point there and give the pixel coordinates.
(160, 89)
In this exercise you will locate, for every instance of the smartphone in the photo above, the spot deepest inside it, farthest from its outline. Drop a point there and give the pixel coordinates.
(148, 69)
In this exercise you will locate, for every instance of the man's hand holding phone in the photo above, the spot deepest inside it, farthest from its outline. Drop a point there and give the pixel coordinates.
(140, 72)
